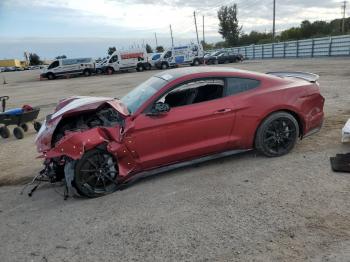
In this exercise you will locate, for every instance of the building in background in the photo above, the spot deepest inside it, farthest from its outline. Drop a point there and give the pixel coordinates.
(10, 63)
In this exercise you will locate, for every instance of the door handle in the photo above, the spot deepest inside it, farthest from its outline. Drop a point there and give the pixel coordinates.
(223, 111)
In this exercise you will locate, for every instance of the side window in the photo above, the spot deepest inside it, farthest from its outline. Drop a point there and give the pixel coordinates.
(194, 92)
(53, 65)
(237, 85)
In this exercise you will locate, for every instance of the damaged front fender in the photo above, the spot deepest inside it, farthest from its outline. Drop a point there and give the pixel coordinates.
(74, 144)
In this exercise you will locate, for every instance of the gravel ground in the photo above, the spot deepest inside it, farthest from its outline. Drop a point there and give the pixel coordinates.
(240, 208)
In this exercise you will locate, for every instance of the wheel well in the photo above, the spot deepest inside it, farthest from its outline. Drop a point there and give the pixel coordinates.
(294, 114)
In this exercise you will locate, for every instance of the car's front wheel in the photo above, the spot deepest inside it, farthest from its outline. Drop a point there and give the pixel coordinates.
(277, 134)
(96, 173)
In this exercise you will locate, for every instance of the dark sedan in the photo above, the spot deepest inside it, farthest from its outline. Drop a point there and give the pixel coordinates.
(222, 57)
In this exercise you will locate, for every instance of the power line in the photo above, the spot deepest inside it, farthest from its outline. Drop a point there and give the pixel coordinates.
(274, 20)
(195, 23)
(344, 12)
(172, 39)
(203, 31)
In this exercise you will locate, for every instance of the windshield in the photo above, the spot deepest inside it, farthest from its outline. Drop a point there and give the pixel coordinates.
(139, 95)
(216, 53)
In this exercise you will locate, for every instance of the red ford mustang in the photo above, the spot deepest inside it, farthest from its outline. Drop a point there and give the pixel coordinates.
(175, 118)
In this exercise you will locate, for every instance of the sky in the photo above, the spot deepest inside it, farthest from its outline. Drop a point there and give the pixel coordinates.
(85, 28)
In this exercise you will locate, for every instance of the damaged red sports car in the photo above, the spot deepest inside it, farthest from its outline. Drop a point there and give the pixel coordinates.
(175, 118)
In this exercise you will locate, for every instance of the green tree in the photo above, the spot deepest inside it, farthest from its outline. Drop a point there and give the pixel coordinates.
(34, 59)
(61, 57)
(111, 50)
(228, 24)
(207, 46)
(160, 49)
(149, 49)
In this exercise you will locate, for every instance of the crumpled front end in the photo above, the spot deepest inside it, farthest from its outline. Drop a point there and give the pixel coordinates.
(346, 132)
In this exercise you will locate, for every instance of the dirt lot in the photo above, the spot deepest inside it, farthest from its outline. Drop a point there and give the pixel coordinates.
(241, 208)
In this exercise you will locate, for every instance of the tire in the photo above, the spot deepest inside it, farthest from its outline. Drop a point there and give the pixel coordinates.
(87, 72)
(110, 71)
(37, 126)
(18, 132)
(196, 62)
(277, 134)
(148, 66)
(139, 68)
(96, 173)
(24, 127)
(50, 76)
(4, 132)
(164, 66)
(99, 71)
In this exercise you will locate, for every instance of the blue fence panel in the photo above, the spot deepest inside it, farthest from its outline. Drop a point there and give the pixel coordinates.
(317, 47)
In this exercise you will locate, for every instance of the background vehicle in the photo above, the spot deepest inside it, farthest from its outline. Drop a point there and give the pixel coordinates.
(100, 65)
(222, 57)
(127, 60)
(72, 66)
(176, 118)
(191, 54)
(154, 58)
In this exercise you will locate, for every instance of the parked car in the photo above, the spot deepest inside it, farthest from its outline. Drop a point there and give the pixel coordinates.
(175, 118)
(127, 60)
(191, 54)
(221, 57)
(71, 66)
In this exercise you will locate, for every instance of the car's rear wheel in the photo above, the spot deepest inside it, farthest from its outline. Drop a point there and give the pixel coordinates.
(96, 173)
(277, 134)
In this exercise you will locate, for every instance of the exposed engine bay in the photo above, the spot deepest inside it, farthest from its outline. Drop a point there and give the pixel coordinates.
(103, 117)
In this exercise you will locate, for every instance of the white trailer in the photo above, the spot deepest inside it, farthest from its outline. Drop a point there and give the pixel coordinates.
(72, 66)
(191, 54)
(127, 60)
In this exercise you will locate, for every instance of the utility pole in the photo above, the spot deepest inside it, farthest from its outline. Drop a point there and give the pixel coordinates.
(203, 31)
(172, 39)
(274, 20)
(155, 36)
(195, 23)
(344, 12)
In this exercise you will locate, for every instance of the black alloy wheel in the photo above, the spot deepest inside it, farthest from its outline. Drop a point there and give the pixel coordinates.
(277, 134)
(96, 173)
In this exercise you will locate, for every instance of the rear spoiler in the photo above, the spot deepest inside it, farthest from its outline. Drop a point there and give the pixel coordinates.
(303, 75)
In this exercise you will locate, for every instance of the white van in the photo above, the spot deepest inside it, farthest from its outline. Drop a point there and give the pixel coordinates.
(153, 58)
(126, 60)
(73, 66)
(191, 54)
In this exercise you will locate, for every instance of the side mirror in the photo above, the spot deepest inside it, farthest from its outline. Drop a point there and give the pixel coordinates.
(159, 108)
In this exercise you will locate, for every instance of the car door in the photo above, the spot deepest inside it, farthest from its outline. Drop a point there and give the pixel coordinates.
(198, 127)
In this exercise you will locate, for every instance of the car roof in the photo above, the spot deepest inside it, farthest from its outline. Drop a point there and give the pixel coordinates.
(173, 74)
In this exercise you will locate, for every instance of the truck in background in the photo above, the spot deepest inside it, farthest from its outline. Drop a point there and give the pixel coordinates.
(71, 66)
(191, 54)
(127, 60)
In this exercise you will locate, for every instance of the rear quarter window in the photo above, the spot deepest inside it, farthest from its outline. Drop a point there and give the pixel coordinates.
(237, 85)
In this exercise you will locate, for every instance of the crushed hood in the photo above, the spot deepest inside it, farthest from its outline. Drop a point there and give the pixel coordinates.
(82, 103)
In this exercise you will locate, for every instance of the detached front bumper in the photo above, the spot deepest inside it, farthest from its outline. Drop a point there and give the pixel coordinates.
(346, 132)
